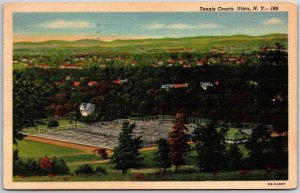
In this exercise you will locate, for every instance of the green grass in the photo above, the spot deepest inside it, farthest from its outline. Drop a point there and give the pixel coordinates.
(31, 149)
(81, 158)
(244, 150)
(201, 43)
(62, 122)
(19, 66)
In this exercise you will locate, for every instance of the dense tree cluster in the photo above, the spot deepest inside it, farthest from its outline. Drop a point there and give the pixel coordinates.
(242, 93)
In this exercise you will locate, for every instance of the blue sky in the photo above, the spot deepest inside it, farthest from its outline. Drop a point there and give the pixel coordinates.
(159, 24)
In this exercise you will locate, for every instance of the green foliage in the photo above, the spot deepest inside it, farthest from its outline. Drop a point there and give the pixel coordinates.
(178, 140)
(53, 123)
(31, 167)
(26, 167)
(100, 171)
(29, 103)
(210, 146)
(162, 156)
(126, 153)
(32, 149)
(257, 144)
(234, 157)
(84, 169)
(265, 151)
(59, 166)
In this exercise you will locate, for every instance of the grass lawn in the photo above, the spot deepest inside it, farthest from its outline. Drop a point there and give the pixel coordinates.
(31, 149)
(62, 122)
(19, 66)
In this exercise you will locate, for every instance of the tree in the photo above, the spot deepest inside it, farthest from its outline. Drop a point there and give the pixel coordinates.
(178, 141)
(258, 144)
(235, 157)
(53, 123)
(267, 151)
(126, 153)
(162, 155)
(210, 147)
(29, 103)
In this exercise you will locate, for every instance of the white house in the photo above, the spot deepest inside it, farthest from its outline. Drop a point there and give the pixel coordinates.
(86, 109)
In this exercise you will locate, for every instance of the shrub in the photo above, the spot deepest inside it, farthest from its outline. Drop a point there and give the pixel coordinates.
(100, 171)
(53, 123)
(27, 167)
(45, 165)
(59, 166)
(84, 169)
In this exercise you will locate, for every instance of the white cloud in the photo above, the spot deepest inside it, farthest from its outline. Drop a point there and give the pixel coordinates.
(182, 26)
(179, 26)
(272, 21)
(209, 25)
(57, 24)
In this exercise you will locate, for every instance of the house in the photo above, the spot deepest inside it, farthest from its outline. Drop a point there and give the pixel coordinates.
(92, 83)
(120, 81)
(186, 65)
(103, 65)
(86, 109)
(232, 59)
(76, 83)
(176, 85)
(43, 66)
(181, 61)
(170, 61)
(279, 134)
(236, 136)
(166, 86)
(133, 63)
(204, 85)
(181, 85)
(160, 62)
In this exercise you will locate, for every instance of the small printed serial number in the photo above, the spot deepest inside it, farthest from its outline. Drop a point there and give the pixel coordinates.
(276, 184)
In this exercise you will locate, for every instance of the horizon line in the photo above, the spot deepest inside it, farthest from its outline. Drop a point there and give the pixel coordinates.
(73, 38)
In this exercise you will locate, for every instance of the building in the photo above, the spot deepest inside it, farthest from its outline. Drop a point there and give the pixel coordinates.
(92, 83)
(86, 109)
(236, 136)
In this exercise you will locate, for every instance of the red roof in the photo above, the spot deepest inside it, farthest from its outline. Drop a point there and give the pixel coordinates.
(180, 85)
(76, 83)
(92, 83)
(117, 81)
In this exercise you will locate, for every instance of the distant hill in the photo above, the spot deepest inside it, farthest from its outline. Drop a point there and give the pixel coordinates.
(242, 43)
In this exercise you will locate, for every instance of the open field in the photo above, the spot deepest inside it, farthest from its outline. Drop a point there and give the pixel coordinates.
(36, 150)
(242, 43)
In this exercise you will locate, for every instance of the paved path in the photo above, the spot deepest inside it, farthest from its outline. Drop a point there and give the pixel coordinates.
(89, 162)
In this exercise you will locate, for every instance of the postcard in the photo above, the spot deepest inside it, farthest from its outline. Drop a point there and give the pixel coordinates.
(150, 95)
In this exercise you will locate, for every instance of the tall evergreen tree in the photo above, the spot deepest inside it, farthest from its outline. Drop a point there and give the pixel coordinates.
(178, 141)
(210, 146)
(258, 144)
(126, 154)
(162, 155)
(235, 157)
